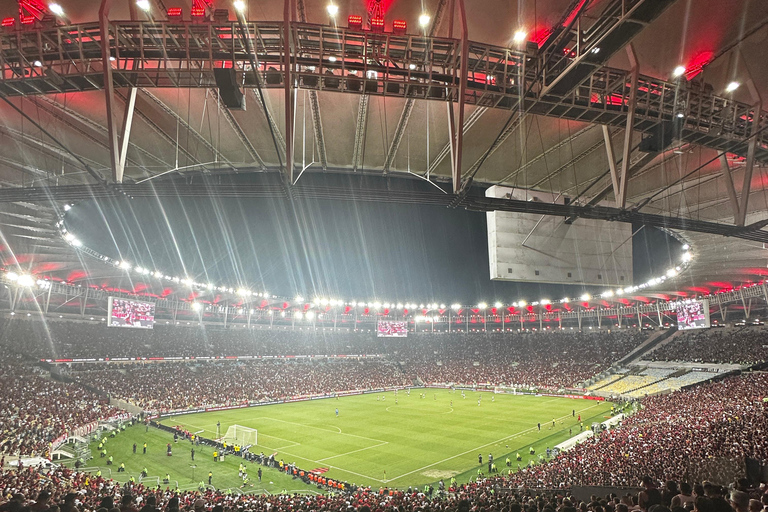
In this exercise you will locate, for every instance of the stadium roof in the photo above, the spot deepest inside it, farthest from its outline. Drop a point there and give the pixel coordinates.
(54, 135)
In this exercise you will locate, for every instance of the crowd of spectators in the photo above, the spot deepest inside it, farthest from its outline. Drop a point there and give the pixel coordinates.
(690, 435)
(34, 410)
(560, 359)
(745, 345)
(81, 339)
(58, 339)
(64, 490)
(159, 387)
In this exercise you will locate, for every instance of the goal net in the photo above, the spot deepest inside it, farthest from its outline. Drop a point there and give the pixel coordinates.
(240, 435)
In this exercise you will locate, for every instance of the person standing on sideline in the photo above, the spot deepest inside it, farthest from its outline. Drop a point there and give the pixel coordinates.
(337, 412)
(193, 453)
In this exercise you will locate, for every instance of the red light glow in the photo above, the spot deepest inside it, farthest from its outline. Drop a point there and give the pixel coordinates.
(198, 12)
(355, 22)
(9, 22)
(572, 15)
(27, 20)
(377, 24)
(174, 12)
(399, 26)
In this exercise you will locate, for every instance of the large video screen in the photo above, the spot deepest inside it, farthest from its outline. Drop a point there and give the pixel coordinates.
(387, 329)
(692, 314)
(131, 313)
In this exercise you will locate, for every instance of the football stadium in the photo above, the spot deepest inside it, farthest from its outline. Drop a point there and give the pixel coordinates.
(383, 256)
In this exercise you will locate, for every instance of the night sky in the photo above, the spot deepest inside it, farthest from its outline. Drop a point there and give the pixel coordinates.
(352, 250)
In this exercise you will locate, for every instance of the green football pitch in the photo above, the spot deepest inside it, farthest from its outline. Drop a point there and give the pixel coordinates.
(386, 439)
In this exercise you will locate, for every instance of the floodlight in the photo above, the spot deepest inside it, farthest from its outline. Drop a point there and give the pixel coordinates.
(332, 9)
(732, 86)
(520, 36)
(143, 5)
(25, 280)
(239, 5)
(678, 71)
(424, 20)
(56, 9)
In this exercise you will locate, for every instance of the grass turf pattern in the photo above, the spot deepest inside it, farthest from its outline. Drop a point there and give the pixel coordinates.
(380, 439)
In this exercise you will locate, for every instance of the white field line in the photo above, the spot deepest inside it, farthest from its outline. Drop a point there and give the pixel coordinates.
(325, 429)
(483, 446)
(513, 436)
(354, 451)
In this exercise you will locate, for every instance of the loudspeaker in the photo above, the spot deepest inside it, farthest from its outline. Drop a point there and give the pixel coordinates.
(229, 92)
(660, 136)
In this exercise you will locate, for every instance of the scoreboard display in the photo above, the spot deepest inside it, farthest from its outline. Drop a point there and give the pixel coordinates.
(692, 314)
(131, 313)
(387, 329)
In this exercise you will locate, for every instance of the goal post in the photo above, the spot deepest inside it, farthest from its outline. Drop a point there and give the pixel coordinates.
(240, 435)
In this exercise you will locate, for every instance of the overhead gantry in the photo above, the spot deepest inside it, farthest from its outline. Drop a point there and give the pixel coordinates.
(564, 78)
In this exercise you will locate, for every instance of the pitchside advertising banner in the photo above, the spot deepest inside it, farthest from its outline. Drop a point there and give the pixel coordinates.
(692, 314)
(387, 329)
(131, 313)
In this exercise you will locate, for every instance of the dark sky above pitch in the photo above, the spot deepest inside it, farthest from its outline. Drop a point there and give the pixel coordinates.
(351, 250)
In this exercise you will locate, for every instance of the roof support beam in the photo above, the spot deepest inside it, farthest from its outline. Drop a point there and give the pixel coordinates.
(87, 121)
(402, 123)
(615, 178)
(125, 129)
(751, 148)
(735, 205)
(405, 115)
(360, 130)
(457, 136)
(183, 122)
(314, 105)
(621, 198)
(61, 149)
(289, 8)
(109, 93)
(544, 154)
(167, 138)
(230, 117)
(446, 151)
